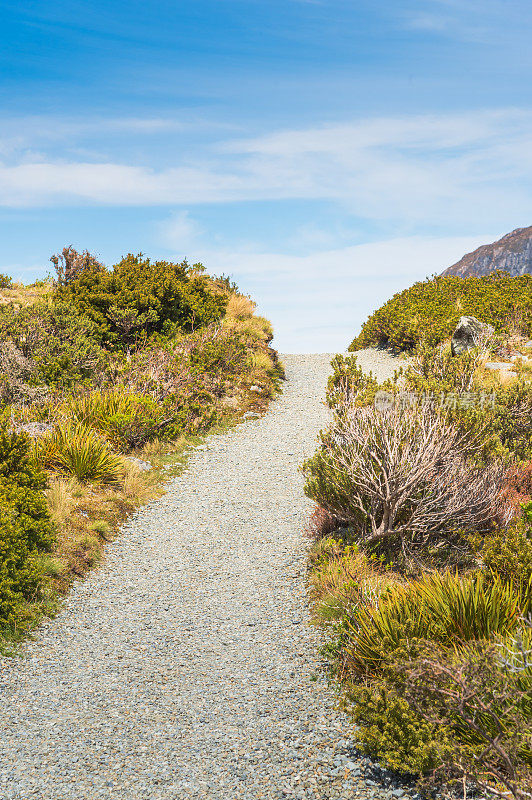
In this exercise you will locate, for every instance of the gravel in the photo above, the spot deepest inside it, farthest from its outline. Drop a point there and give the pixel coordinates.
(185, 666)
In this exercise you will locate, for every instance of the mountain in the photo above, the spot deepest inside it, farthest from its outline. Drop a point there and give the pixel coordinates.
(512, 253)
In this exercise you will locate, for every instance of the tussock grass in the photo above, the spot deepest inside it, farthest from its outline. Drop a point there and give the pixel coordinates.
(77, 450)
(60, 497)
(342, 578)
(240, 307)
(261, 361)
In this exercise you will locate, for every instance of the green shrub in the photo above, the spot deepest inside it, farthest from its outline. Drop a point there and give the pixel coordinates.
(446, 715)
(25, 527)
(434, 369)
(6, 282)
(482, 693)
(348, 382)
(507, 552)
(215, 356)
(60, 343)
(139, 297)
(391, 732)
(77, 450)
(429, 310)
(500, 419)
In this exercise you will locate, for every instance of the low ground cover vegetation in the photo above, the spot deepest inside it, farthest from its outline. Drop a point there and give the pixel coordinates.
(106, 371)
(421, 566)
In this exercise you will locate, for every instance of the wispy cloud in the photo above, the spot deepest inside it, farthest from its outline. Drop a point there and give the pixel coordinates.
(443, 168)
(480, 21)
(180, 232)
(23, 135)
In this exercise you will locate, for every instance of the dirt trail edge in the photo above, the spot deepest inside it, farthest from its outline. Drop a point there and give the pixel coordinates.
(183, 667)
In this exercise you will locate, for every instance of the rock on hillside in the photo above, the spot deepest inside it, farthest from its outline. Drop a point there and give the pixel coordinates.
(512, 253)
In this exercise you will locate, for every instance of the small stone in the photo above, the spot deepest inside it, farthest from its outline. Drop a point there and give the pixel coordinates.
(143, 466)
(34, 429)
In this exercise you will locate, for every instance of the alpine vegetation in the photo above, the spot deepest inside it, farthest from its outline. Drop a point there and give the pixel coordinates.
(108, 374)
(421, 568)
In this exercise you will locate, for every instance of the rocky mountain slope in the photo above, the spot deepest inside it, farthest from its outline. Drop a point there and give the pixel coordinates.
(512, 253)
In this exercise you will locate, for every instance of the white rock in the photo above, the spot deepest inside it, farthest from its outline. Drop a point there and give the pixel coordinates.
(143, 466)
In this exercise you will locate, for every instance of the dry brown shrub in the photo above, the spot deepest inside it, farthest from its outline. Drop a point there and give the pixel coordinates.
(517, 489)
(321, 523)
(404, 471)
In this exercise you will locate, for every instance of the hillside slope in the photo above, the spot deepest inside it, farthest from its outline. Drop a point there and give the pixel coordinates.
(512, 253)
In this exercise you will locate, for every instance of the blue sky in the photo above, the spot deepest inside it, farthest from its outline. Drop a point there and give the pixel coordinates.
(324, 154)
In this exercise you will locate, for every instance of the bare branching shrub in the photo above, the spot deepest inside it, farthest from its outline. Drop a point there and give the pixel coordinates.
(402, 472)
(69, 264)
(15, 370)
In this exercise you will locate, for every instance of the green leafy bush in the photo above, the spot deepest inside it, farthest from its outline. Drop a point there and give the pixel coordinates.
(449, 715)
(390, 731)
(77, 450)
(140, 297)
(6, 282)
(500, 419)
(507, 553)
(349, 383)
(25, 527)
(429, 310)
(59, 342)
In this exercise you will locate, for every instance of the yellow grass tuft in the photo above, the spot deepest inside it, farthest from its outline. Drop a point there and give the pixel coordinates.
(240, 307)
(342, 576)
(60, 497)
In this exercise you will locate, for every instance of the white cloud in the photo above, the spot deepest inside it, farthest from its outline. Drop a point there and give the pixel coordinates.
(180, 232)
(467, 168)
(487, 22)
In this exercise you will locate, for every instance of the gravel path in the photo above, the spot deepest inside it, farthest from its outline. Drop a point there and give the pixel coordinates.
(184, 667)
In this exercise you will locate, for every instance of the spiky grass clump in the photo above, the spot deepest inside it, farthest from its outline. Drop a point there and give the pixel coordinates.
(444, 608)
(75, 450)
(261, 361)
(96, 408)
(126, 419)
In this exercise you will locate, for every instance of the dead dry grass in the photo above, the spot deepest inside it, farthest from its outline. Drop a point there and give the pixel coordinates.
(240, 307)
(21, 295)
(87, 517)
